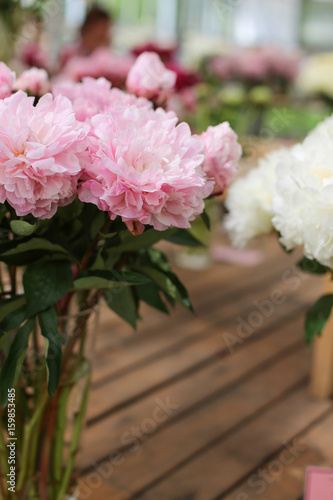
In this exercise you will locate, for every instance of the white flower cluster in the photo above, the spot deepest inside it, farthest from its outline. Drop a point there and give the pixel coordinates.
(291, 191)
(250, 200)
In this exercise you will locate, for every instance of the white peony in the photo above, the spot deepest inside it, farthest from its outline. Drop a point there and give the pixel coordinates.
(250, 198)
(316, 75)
(303, 201)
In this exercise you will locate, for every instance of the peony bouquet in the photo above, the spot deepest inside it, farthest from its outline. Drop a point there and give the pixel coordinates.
(91, 179)
(291, 192)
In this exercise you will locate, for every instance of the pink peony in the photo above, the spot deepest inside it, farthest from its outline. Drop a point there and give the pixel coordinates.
(40, 154)
(33, 55)
(34, 81)
(92, 97)
(222, 155)
(101, 63)
(150, 78)
(7, 79)
(145, 169)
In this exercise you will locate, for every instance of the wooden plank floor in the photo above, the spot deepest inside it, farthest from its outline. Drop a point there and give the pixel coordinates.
(212, 406)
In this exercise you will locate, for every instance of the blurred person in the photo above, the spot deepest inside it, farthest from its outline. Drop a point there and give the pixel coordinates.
(95, 32)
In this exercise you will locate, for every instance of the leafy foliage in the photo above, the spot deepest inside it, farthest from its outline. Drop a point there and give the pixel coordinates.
(78, 253)
(317, 317)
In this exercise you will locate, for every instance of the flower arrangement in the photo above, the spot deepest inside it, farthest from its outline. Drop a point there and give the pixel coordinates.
(92, 178)
(258, 65)
(291, 192)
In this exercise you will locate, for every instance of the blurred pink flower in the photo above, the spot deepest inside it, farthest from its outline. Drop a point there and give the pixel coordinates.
(33, 81)
(7, 79)
(91, 97)
(166, 52)
(150, 78)
(222, 155)
(40, 150)
(102, 63)
(32, 55)
(145, 169)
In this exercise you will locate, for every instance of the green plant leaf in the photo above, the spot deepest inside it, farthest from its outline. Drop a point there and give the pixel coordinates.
(48, 321)
(45, 283)
(22, 228)
(161, 279)
(34, 249)
(94, 282)
(130, 243)
(170, 284)
(123, 303)
(206, 220)
(104, 279)
(312, 266)
(14, 359)
(150, 294)
(185, 238)
(7, 306)
(182, 295)
(14, 319)
(317, 317)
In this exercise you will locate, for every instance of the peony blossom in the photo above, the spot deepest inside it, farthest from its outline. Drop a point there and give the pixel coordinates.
(150, 78)
(222, 155)
(101, 63)
(34, 81)
(145, 169)
(40, 151)
(33, 55)
(250, 200)
(7, 79)
(303, 201)
(91, 97)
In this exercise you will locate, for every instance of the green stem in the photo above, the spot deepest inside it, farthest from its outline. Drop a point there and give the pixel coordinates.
(78, 424)
(27, 440)
(59, 435)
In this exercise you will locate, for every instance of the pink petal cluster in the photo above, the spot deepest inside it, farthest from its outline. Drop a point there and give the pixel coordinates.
(257, 64)
(150, 78)
(34, 81)
(33, 55)
(91, 97)
(102, 63)
(7, 79)
(40, 150)
(222, 155)
(145, 169)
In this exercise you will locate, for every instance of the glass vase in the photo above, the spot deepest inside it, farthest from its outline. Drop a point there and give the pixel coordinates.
(46, 431)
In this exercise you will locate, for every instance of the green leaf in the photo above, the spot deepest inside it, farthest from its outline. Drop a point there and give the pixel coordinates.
(7, 306)
(94, 282)
(33, 249)
(45, 283)
(182, 297)
(132, 243)
(150, 294)
(97, 224)
(123, 304)
(170, 284)
(312, 266)
(14, 359)
(104, 279)
(161, 279)
(185, 238)
(14, 319)
(22, 228)
(206, 220)
(48, 321)
(317, 317)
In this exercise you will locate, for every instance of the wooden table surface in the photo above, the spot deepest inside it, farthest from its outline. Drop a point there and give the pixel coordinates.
(208, 407)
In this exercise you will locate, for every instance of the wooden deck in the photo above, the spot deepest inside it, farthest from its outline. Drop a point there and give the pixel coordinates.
(179, 413)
